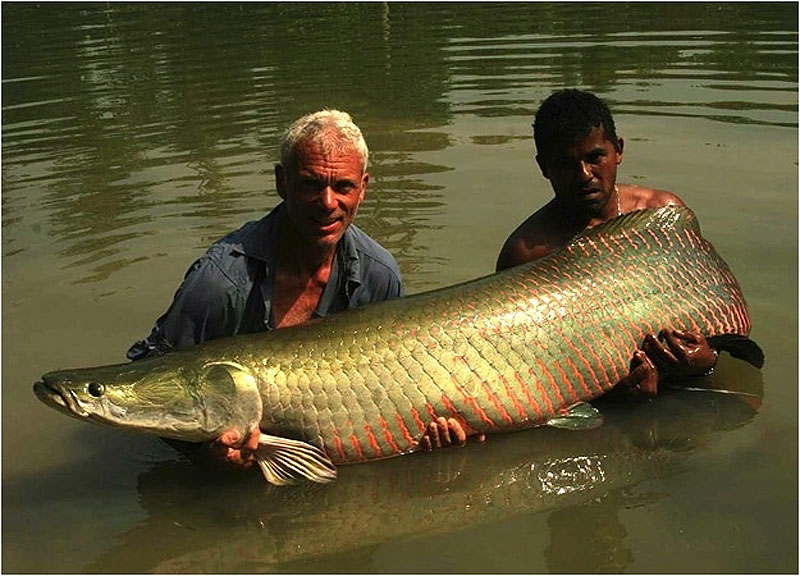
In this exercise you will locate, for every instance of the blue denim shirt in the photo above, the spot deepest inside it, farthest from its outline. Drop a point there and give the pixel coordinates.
(229, 289)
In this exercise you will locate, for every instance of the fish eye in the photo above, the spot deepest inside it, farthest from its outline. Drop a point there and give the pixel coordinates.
(95, 389)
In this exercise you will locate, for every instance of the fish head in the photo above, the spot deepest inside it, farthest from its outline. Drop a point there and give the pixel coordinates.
(188, 402)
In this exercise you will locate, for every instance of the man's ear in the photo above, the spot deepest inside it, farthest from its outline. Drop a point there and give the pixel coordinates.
(364, 182)
(542, 166)
(620, 146)
(280, 181)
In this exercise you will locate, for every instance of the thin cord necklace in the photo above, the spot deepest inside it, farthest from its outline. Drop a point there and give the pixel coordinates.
(619, 209)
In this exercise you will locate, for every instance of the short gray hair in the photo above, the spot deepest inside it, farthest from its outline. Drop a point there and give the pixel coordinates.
(332, 130)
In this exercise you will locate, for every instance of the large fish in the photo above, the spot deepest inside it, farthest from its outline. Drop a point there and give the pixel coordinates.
(522, 348)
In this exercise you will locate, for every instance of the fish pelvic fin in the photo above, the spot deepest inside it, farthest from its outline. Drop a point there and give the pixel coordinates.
(284, 461)
(739, 347)
(579, 416)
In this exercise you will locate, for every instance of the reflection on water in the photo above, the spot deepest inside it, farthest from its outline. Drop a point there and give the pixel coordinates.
(586, 479)
(123, 119)
(135, 134)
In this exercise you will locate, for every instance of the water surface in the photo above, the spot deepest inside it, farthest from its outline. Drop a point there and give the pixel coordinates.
(134, 135)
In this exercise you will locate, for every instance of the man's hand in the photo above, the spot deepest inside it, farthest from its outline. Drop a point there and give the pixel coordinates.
(642, 380)
(228, 451)
(676, 353)
(444, 432)
(685, 353)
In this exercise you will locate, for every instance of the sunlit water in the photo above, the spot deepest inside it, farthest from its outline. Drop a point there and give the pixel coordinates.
(134, 135)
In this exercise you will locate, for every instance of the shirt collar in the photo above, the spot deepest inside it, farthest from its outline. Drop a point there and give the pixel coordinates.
(262, 242)
(351, 262)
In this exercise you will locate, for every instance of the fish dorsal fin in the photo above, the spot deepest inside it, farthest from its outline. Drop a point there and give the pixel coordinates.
(284, 461)
(579, 416)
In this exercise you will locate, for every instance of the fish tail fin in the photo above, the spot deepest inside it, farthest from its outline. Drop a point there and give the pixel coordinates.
(739, 347)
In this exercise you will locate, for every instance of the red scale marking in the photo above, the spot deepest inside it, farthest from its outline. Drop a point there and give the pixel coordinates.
(605, 243)
(656, 238)
(711, 305)
(579, 376)
(510, 393)
(724, 311)
(616, 241)
(637, 293)
(339, 446)
(599, 362)
(690, 236)
(698, 311)
(591, 244)
(602, 365)
(629, 239)
(373, 442)
(357, 446)
(668, 238)
(567, 384)
(631, 336)
(551, 382)
(710, 273)
(417, 420)
(497, 404)
(431, 411)
(620, 362)
(529, 397)
(738, 311)
(406, 434)
(642, 238)
(479, 412)
(450, 406)
(388, 435)
(468, 430)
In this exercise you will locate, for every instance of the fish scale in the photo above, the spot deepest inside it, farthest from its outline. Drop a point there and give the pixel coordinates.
(502, 352)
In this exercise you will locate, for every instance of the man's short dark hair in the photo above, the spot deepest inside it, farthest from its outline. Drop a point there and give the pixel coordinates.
(567, 116)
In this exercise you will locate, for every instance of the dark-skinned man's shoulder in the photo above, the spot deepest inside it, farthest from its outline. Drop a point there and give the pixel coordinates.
(535, 238)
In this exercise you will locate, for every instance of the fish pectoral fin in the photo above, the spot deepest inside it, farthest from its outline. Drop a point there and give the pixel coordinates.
(579, 416)
(284, 461)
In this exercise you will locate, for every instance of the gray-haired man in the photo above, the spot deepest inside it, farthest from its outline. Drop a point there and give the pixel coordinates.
(304, 259)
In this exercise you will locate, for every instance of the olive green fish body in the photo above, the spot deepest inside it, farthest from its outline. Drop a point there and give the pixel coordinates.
(503, 352)
(508, 351)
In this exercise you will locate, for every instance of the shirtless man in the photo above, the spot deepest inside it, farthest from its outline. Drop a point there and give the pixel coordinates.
(578, 151)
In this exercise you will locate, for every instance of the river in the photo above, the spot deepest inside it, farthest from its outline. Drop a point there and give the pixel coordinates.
(135, 134)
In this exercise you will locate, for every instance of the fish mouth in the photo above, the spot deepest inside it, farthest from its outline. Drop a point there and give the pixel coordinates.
(63, 400)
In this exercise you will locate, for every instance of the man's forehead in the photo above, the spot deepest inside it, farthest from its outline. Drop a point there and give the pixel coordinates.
(566, 144)
(328, 148)
(314, 159)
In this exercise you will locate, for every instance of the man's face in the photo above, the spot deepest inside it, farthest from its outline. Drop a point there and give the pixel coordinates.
(322, 192)
(583, 174)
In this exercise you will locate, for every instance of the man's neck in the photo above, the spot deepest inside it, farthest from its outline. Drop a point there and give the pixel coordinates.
(580, 219)
(302, 273)
(298, 257)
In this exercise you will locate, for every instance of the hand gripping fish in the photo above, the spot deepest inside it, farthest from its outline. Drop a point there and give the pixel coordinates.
(525, 347)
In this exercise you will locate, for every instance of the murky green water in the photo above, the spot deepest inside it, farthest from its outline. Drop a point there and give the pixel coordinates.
(133, 135)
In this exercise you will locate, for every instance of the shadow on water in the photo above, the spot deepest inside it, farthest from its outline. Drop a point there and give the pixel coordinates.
(583, 480)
